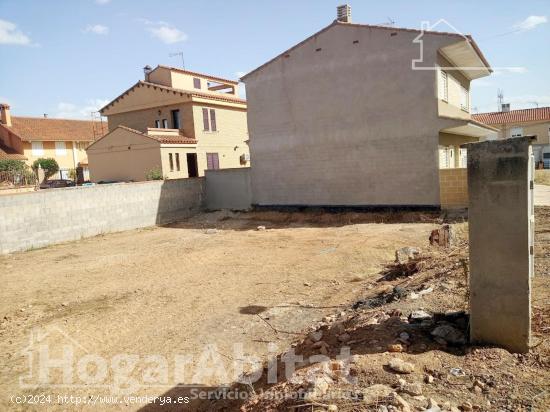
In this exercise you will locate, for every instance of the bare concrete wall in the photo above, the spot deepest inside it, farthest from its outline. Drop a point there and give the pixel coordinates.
(343, 120)
(38, 219)
(228, 189)
(501, 262)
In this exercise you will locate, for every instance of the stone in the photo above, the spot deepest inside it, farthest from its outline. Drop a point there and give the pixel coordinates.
(442, 237)
(382, 408)
(404, 336)
(432, 403)
(395, 348)
(307, 284)
(319, 344)
(467, 406)
(260, 228)
(398, 401)
(344, 337)
(316, 336)
(449, 334)
(211, 231)
(419, 316)
(405, 254)
(375, 393)
(332, 408)
(478, 390)
(318, 387)
(414, 389)
(429, 379)
(400, 366)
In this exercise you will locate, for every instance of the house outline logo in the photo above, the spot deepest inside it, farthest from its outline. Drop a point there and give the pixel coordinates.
(37, 340)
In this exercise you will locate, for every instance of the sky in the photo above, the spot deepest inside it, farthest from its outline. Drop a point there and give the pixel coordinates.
(69, 58)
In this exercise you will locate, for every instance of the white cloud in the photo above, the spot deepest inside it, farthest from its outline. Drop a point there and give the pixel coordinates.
(164, 31)
(9, 34)
(102, 2)
(73, 111)
(96, 29)
(530, 23)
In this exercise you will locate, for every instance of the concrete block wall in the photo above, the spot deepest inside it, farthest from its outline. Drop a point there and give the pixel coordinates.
(228, 189)
(38, 219)
(453, 188)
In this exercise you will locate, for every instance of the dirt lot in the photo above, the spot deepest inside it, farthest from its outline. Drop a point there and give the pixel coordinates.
(170, 291)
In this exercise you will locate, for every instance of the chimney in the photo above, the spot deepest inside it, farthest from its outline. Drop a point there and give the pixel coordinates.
(5, 115)
(146, 70)
(343, 13)
(45, 115)
(505, 107)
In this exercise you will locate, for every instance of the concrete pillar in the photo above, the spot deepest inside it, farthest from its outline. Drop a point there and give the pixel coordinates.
(501, 220)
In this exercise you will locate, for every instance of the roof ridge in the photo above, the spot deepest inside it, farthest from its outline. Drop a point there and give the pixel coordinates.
(511, 111)
(56, 118)
(163, 66)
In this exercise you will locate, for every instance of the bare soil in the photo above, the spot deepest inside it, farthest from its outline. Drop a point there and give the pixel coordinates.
(173, 290)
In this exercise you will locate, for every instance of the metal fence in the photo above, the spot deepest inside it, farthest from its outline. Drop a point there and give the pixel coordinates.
(10, 179)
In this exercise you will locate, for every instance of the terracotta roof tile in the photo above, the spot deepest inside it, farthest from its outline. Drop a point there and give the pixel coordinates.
(44, 129)
(7, 153)
(165, 139)
(177, 69)
(514, 116)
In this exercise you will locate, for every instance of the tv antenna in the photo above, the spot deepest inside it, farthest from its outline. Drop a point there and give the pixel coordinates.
(389, 23)
(180, 53)
(500, 99)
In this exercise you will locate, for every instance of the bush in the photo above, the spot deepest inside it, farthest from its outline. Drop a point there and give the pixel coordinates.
(9, 165)
(49, 166)
(154, 174)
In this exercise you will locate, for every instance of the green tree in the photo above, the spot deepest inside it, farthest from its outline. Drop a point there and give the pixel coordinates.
(10, 165)
(49, 166)
(154, 174)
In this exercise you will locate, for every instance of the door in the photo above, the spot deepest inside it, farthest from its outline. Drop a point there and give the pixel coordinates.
(192, 169)
(175, 119)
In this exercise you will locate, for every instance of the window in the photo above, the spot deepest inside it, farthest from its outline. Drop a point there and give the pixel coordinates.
(212, 161)
(165, 123)
(60, 149)
(464, 99)
(196, 83)
(178, 162)
(205, 121)
(446, 158)
(463, 157)
(37, 149)
(171, 161)
(157, 124)
(516, 132)
(175, 119)
(443, 86)
(213, 120)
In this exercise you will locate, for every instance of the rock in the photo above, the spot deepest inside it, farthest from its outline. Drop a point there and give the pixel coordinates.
(398, 401)
(449, 334)
(414, 389)
(413, 296)
(344, 337)
(441, 341)
(260, 228)
(211, 231)
(419, 316)
(457, 372)
(332, 408)
(318, 388)
(429, 379)
(404, 336)
(319, 344)
(382, 408)
(466, 406)
(64, 304)
(316, 336)
(376, 393)
(405, 254)
(395, 348)
(307, 284)
(432, 403)
(443, 236)
(478, 390)
(426, 291)
(400, 366)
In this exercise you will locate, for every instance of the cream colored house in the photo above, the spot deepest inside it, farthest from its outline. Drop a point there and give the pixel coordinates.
(177, 120)
(364, 115)
(31, 138)
(524, 122)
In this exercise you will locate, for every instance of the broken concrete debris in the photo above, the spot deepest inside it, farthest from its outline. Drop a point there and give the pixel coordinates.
(400, 366)
(419, 316)
(406, 254)
(443, 236)
(449, 334)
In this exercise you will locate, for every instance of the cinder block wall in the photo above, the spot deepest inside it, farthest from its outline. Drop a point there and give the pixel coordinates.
(453, 188)
(228, 189)
(38, 219)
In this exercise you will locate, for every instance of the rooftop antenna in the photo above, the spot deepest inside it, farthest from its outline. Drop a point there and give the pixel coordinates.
(389, 23)
(500, 99)
(180, 53)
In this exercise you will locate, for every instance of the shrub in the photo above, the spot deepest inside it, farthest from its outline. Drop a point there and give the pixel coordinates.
(49, 166)
(154, 174)
(9, 165)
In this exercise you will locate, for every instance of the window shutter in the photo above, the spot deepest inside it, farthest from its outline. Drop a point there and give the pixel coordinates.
(213, 119)
(206, 123)
(196, 83)
(209, 161)
(216, 161)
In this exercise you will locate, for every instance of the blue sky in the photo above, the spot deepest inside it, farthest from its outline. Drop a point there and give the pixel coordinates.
(67, 58)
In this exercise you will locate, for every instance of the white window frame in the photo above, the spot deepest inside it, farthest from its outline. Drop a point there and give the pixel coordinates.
(464, 98)
(60, 148)
(37, 148)
(463, 161)
(443, 83)
(516, 132)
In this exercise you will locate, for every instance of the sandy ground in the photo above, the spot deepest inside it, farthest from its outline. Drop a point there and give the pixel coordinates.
(173, 290)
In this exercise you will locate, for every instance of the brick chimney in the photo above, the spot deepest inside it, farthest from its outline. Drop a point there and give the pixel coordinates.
(343, 13)
(5, 115)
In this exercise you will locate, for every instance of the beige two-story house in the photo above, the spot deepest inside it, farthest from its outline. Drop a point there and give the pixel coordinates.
(523, 122)
(363, 115)
(32, 138)
(175, 120)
